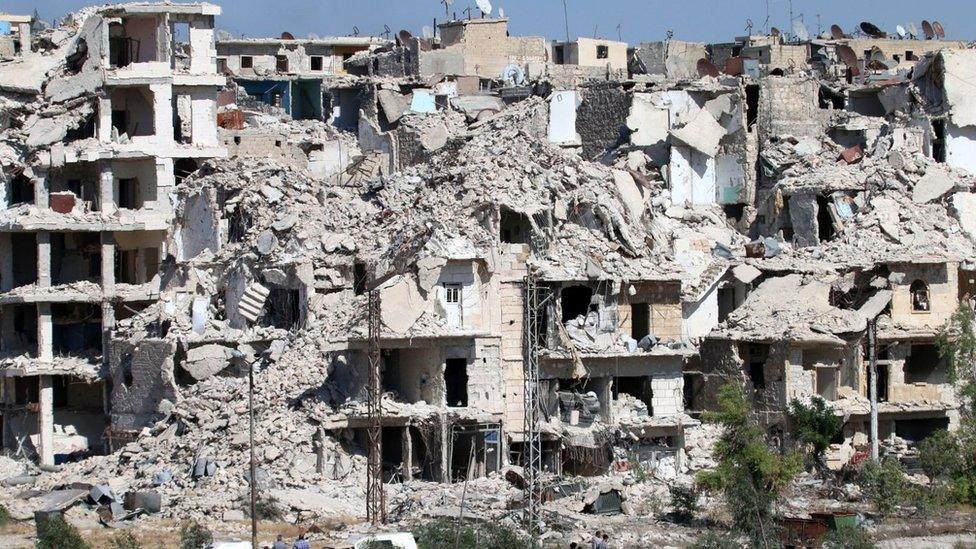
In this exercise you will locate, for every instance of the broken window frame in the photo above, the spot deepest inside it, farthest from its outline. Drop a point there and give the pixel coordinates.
(919, 296)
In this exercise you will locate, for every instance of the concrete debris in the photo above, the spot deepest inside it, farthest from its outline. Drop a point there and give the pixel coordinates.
(681, 230)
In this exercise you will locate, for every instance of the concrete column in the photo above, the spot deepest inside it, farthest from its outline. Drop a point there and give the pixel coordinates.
(445, 441)
(6, 263)
(105, 114)
(407, 454)
(45, 420)
(106, 188)
(108, 324)
(40, 193)
(24, 30)
(9, 397)
(43, 259)
(45, 332)
(108, 263)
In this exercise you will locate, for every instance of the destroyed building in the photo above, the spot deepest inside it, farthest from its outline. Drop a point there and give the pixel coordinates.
(472, 216)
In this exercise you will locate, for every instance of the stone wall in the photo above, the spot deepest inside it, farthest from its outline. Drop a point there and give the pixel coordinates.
(601, 116)
(142, 378)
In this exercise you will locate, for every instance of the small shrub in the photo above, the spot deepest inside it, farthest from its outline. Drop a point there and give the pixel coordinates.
(4, 516)
(940, 455)
(848, 537)
(444, 532)
(684, 502)
(267, 508)
(885, 485)
(194, 535)
(125, 540)
(712, 540)
(59, 534)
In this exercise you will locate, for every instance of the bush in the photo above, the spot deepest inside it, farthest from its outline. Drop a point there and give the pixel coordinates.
(444, 532)
(266, 508)
(684, 502)
(848, 537)
(711, 540)
(59, 534)
(125, 540)
(885, 485)
(815, 425)
(194, 535)
(940, 455)
(4, 516)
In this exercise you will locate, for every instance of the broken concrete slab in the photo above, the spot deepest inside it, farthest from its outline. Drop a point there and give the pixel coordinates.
(629, 194)
(402, 304)
(964, 210)
(205, 361)
(702, 133)
(932, 186)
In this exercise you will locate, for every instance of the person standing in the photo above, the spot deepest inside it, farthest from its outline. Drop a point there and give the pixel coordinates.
(280, 543)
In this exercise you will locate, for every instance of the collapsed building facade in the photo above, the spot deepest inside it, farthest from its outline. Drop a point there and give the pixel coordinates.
(181, 210)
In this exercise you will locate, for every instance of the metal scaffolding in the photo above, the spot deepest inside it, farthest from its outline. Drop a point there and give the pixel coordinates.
(532, 305)
(375, 498)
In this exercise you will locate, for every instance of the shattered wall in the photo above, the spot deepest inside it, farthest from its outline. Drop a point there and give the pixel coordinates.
(143, 380)
(601, 116)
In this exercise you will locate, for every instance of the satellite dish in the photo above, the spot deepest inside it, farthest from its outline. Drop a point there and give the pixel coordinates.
(405, 37)
(939, 31)
(706, 68)
(848, 57)
(912, 30)
(774, 31)
(223, 35)
(901, 31)
(287, 36)
(484, 6)
(427, 32)
(927, 30)
(836, 32)
(448, 3)
(800, 31)
(501, 12)
(313, 36)
(871, 30)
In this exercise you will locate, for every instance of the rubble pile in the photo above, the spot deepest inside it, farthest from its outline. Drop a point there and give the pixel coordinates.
(472, 218)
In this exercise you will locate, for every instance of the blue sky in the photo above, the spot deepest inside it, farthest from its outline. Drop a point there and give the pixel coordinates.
(639, 20)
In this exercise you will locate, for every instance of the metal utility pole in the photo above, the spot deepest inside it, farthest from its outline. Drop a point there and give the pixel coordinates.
(873, 389)
(533, 439)
(254, 466)
(375, 498)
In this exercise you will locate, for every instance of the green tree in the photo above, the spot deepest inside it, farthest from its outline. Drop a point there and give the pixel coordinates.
(848, 537)
(749, 473)
(815, 425)
(940, 455)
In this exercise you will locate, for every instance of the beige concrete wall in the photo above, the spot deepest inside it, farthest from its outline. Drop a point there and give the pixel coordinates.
(586, 53)
(664, 300)
(943, 283)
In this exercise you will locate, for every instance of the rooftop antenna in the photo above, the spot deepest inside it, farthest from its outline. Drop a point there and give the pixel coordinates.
(594, 31)
(447, 8)
(619, 37)
(355, 30)
(566, 19)
(468, 11)
(819, 29)
(386, 31)
(749, 27)
(766, 22)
